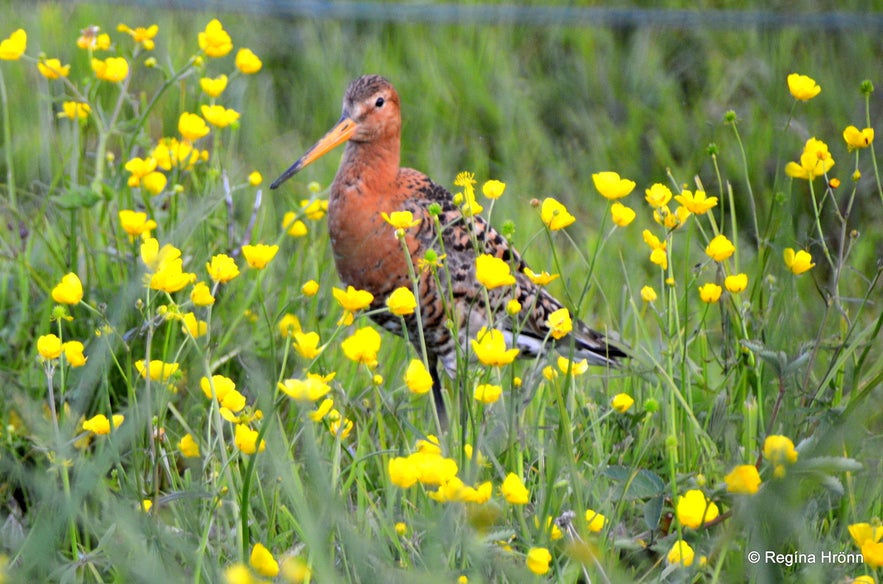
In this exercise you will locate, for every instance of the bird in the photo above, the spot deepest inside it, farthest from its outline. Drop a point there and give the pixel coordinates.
(453, 306)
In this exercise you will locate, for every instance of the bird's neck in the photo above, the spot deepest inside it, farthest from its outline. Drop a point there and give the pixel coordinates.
(370, 166)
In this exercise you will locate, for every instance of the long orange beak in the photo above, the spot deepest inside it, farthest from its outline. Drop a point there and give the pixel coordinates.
(340, 133)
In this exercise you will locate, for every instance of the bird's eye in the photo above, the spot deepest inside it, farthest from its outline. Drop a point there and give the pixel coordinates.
(379, 102)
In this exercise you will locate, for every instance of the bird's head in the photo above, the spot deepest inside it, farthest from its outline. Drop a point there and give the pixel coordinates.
(370, 113)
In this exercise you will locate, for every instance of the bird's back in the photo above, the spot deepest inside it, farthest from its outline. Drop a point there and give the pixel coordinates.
(454, 305)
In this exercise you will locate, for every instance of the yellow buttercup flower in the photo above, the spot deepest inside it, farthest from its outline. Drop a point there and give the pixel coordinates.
(101, 425)
(201, 295)
(13, 47)
(53, 69)
(736, 283)
(648, 294)
(193, 326)
(238, 574)
(75, 110)
(710, 292)
(489, 347)
(417, 377)
(659, 249)
(555, 215)
(720, 248)
(541, 279)
(255, 178)
(154, 183)
(218, 115)
(91, 39)
(213, 86)
(611, 185)
(214, 40)
(171, 152)
(139, 168)
(574, 368)
(192, 127)
(259, 255)
(113, 69)
(862, 532)
(621, 215)
(595, 520)
(247, 62)
(779, 449)
(466, 180)
(433, 468)
(493, 189)
(156, 370)
(402, 472)
(621, 402)
(263, 562)
(560, 323)
(322, 410)
(222, 268)
(136, 223)
(296, 570)
(49, 346)
(294, 226)
(803, 88)
(856, 138)
(142, 35)
(743, 480)
(487, 393)
(538, 560)
(401, 219)
(681, 553)
(155, 257)
(69, 290)
(872, 553)
(223, 389)
(362, 346)
(514, 491)
(307, 344)
(697, 202)
(694, 509)
(171, 277)
(659, 256)
(188, 447)
(73, 353)
(430, 445)
(798, 262)
(311, 389)
(815, 161)
(657, 195)
(351, 300)
(492, 272)
(310, 288)
(246, 440)
(401, 302)
(315, 209)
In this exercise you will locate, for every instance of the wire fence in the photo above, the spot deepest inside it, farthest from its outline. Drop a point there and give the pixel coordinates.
(588, 16)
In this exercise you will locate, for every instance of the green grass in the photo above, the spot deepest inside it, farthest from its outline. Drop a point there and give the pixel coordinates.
(541, 109)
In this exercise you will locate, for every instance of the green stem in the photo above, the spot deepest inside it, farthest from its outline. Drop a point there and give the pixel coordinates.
(7, 146)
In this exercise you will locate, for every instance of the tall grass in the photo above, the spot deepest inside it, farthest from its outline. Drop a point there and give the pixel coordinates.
(543, 110)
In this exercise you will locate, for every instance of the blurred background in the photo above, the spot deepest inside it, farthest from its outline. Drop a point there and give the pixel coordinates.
(539, 96)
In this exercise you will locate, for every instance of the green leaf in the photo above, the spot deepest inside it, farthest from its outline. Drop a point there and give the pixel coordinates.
(635, 484)
(653, 512)
(77, 198)
(831, 464)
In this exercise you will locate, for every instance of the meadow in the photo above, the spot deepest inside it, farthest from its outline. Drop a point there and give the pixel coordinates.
(189, 395)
